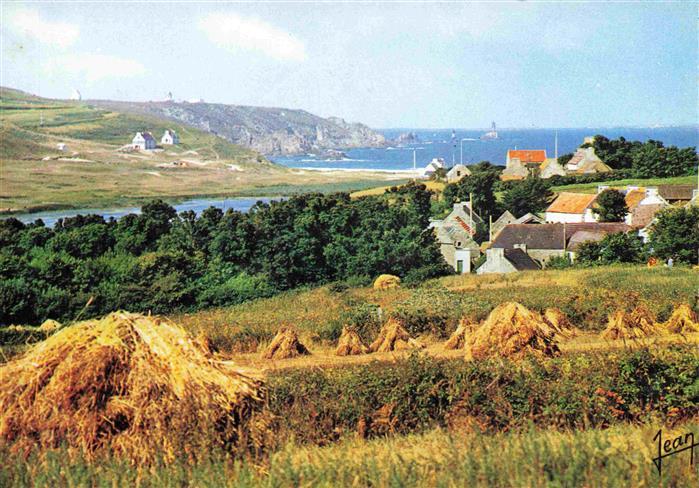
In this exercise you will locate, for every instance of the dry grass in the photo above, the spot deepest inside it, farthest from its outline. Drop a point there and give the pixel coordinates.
(350, 344)
(636, 324)
(125, 383)
(511, 330)
(394, 337)
(50, 325)
(285, 345)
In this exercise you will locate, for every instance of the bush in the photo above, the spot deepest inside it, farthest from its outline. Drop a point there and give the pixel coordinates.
(365, 318)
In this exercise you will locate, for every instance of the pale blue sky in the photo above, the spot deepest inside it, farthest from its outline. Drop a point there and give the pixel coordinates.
(522, 64)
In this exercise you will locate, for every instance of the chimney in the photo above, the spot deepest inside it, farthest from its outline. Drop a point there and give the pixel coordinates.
(601, 188)
(651, 192)
(631, 188)
(495, 252)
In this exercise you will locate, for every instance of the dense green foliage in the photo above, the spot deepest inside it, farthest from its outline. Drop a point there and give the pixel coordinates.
(533, 195)
(613, 248)
(574, 391)
(610, 206)
(162, 262)
(675, 234)
(651, 159)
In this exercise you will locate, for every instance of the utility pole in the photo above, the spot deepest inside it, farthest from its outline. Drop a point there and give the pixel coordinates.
(470, 207)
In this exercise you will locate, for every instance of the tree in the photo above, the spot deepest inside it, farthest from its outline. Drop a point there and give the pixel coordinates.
(613, 248)
(675, 234)
(482, 186)
(610, 206)
(530, 195)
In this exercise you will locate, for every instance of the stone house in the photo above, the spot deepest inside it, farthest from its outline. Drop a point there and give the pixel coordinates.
(455, 235)
(457, 172)
(521, 163)
(585, 161)
(143, 141)
(545, 241)
(433, 166)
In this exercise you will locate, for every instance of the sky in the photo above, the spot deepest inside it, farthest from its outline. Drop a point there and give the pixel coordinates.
(421, 65)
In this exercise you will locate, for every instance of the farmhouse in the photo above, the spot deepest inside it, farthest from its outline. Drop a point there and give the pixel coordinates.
(585, 161)
(143, 141)
(544, 241)
(521, 163)
(457, 172)
(170, 137)
(572, 207)
(501, 260)
(677, 194)
(455, 235)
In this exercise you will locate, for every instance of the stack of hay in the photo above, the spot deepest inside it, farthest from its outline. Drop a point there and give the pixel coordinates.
(386, 282)
(637, 324)
(394, 337)
(350, 343)
(50, 326)
(511, 330)
(683, 320)
(458, 339)
(560, 323)
(285, 345)
(125, 383)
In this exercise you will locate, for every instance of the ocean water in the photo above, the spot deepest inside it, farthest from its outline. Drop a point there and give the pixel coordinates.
(197, 205)
(466, 146)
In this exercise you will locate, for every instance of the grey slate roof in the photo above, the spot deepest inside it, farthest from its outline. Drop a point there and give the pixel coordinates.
(520, 260)
(550, 236)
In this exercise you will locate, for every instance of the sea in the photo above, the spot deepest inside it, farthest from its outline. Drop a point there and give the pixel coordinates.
(466, 146)
(453, 146)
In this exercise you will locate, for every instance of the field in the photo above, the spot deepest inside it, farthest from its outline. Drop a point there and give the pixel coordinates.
(92, 172)
(584, 418)
(592, 187)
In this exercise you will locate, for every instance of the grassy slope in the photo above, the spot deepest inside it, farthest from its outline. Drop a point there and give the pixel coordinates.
(592, 187)
(585, 295)
(92, 173)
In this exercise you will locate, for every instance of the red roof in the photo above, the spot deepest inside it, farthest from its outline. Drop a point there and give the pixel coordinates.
(528, 156)
(465, 226)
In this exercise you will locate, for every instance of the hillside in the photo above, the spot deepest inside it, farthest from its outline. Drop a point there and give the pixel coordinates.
(264, 129)
(92, 171)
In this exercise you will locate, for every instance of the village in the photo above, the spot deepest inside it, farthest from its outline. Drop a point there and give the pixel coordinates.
(530, 241)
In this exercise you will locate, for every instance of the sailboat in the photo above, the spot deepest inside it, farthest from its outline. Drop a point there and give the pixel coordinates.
(491, 134)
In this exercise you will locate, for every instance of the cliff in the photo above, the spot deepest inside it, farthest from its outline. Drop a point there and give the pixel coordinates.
(272, 131)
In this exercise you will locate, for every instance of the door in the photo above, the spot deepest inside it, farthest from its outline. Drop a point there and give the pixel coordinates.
(460, 266)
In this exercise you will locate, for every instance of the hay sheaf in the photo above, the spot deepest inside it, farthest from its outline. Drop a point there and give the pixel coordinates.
(512, 331)
(560, 323)
(124, 383)
(386, 282)
(350, 344)
(683, 320)
(458, 339)
(394, 337)
(637, 324)
(285, 345)
(50, 326)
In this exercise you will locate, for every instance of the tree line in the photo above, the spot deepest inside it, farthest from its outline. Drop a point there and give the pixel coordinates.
(162, 261)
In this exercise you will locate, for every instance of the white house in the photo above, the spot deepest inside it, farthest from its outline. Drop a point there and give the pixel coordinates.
(572, 208)
(433, 166)
(170, 137)
(499, 260)
(457, 172)
(143, 141)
